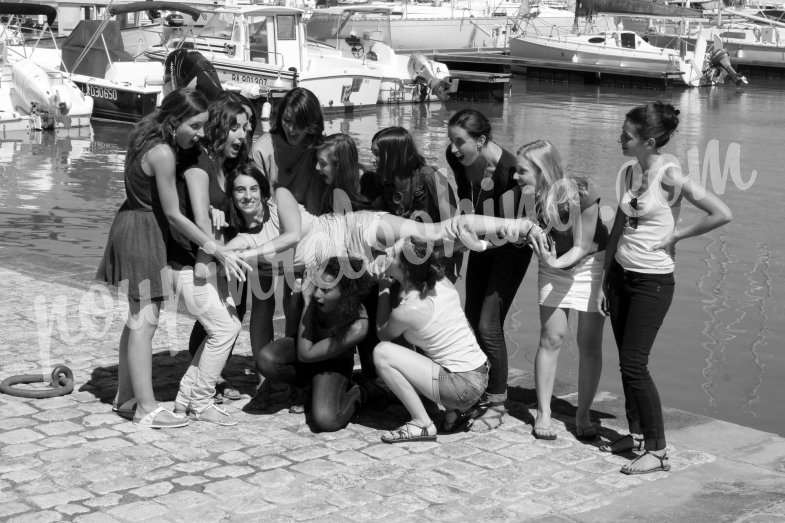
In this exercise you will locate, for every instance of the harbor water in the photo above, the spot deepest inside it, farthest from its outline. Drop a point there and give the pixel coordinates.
(721, 349)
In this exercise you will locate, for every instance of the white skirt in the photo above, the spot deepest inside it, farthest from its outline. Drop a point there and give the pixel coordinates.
(577, 288)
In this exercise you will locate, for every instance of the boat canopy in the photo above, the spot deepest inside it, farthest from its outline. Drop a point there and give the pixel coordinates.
(98, 57)
(634, 7)
(134, 7)
(8, 8)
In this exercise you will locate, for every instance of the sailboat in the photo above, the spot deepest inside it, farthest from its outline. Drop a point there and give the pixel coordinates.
(620, 52)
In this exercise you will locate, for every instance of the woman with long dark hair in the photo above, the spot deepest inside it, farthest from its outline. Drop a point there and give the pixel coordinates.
(484, 172)
(146, 238)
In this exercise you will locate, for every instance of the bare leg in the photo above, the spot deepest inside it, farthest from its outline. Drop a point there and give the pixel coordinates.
(590, 326)
(125, 389)
(136, 355)
(553, 327)
(407, 374)
(465, 228)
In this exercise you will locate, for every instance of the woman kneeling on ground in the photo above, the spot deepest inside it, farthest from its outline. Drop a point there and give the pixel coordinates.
(322, 357)
(453, 371)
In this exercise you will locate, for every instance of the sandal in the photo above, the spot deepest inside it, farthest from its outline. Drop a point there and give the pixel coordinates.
(623, 444)
(126, 410)
(490, 418)
(160, 418)
(664, 466)
(410, 432)
(544, 433)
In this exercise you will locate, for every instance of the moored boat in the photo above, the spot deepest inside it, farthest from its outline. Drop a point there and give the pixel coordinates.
(263, 49)
(124, 89)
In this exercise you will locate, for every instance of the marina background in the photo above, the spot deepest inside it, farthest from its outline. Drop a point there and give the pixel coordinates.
(720, 351)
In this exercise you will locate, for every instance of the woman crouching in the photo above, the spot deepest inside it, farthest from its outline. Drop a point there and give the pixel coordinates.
(453, 370)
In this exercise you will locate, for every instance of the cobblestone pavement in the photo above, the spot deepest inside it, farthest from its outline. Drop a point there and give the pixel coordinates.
(71, 459)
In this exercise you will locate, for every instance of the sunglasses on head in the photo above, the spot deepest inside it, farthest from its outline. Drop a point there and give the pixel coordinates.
(633, 220)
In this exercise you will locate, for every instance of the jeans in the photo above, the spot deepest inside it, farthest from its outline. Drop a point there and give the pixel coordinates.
(492, 280)
(334, 398)
(638, 303)
(210, 303)
(458, 390)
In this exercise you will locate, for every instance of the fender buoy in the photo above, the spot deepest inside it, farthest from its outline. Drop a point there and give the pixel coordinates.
(61, 382)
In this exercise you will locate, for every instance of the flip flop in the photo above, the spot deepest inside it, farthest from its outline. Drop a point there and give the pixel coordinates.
(586, 432)
(172, 421)
(544, 433)
(126, 410)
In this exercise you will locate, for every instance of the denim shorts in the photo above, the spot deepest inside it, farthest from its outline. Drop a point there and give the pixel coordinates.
(459, 390)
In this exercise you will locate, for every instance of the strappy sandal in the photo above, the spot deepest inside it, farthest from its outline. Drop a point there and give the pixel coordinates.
(410, 432)
(664, 466)
(623, 444)
(491, 417)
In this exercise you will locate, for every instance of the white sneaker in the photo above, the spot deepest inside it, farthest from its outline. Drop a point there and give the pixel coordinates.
(214, 414)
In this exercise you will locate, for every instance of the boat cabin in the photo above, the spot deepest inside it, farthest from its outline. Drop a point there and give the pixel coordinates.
(264, 34)
(623, 39)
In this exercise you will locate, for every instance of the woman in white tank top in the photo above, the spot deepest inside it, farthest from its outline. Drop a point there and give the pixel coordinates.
(638, 282)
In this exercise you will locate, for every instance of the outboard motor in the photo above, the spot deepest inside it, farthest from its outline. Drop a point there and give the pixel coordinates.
(433, 76)
(719, 59)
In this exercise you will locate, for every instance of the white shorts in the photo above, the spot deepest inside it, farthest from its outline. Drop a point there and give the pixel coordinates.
(578, 288)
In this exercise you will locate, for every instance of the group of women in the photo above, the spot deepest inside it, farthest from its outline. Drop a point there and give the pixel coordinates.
(370, 258)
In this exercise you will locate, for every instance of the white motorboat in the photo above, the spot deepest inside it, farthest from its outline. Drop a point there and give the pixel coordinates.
(621, 52)
(363, 33)
(755, 41)
(263, 49)
(43, 93)
(124, 88)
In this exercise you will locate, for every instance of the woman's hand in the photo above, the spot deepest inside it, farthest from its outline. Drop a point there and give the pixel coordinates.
(234, 265)
(668, 244)
(547, 253)
(218, 218)
(605, 306)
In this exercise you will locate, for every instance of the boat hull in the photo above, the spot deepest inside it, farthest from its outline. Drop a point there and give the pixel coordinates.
(742, 53)
(117, 103)
(552, 53)
(333, 89)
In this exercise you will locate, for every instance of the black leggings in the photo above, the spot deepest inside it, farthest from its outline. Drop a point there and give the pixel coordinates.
(492, 280)
(334, 398)
(638, 303)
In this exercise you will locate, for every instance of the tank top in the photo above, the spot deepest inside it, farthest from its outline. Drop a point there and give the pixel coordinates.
(649, 220)
(447, 338)
(141, 193)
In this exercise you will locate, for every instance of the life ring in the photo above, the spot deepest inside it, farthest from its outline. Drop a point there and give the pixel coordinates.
(61, 383)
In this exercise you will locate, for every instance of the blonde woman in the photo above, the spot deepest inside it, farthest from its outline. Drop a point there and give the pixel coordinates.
(571, 256)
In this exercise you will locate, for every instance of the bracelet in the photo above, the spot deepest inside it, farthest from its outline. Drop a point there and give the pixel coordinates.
(384, 291)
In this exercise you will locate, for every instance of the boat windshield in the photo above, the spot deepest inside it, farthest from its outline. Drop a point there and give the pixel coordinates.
(220, 25)
(331, 28)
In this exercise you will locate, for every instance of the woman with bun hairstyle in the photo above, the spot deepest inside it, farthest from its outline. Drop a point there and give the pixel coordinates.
(638, 282)
(452, 369)
(484, 172)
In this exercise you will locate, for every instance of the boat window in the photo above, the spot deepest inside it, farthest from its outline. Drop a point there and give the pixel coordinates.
(323, 28)
(596, 40)
(628, 40)
(257, 38)
(287, 27)
(732, 34)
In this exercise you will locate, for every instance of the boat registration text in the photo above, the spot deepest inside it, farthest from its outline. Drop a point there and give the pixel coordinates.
(245, 78)
(97, 91)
